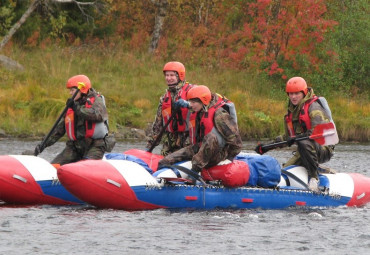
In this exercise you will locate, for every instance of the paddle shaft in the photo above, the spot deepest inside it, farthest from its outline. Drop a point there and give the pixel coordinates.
(316, 134)
(161, 133)
(56, 123)
(278, 144)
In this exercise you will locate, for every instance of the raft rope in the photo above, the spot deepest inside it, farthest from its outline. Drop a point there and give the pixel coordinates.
(294, 177)
(189, 172)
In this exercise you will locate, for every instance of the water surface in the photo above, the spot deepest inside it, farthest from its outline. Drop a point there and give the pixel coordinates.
(86, 230)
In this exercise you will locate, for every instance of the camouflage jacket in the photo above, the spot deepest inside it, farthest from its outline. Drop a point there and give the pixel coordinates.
(316, 113)
(97, 113)
(227, 128)
(171, 141)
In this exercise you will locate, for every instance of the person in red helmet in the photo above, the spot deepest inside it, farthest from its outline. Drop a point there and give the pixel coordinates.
(305, 111)
(213, 131)
(85, 123)
(172, 108)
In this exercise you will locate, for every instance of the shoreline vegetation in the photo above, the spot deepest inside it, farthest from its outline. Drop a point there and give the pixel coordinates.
(31, 100)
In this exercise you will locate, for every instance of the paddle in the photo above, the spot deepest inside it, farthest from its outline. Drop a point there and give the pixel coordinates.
(161, 133)
(324, 134)
(42, 146)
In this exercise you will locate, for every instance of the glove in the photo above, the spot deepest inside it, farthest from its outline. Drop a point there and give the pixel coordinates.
(39, 148)
(182, 103)
(260, 150)
(290, 141)
(70, 103)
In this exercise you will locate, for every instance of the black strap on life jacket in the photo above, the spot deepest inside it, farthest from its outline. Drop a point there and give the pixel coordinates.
(203, 128)
(198, 127)
(179, 117)
(303, 124)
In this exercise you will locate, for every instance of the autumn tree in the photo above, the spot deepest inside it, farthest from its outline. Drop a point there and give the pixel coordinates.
(279, 34)
(45, 6)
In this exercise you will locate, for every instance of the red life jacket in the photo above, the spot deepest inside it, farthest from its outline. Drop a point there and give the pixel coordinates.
(304, 118)
(93, 129)
(180, 123)
(205, 124)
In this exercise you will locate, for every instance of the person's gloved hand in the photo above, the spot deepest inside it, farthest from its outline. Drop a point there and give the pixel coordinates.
(290, 141)
(259, 149)
(38, 149)
(182, 103)
(70, 103)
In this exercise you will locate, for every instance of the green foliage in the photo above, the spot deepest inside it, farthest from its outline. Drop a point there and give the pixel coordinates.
(7, 16)
(326, 44)
(352, 39)
(57, 25)
(245, 50)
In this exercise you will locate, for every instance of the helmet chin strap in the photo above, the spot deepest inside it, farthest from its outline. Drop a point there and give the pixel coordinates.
(175, 85)
(205, 108)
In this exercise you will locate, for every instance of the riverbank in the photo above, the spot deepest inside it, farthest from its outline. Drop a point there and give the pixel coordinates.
(32, 100)
(140, 135)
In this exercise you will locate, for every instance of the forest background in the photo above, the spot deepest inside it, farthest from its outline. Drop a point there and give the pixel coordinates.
(244, 49)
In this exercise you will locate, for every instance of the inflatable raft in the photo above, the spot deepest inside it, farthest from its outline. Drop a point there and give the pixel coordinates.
(30, 180)
(131, 181)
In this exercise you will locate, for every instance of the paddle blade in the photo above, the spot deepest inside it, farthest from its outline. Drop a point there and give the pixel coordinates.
(325, 134)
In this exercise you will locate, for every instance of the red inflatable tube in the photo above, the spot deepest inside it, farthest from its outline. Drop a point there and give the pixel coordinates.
(233, 175)
(361, 194)
(105, 188)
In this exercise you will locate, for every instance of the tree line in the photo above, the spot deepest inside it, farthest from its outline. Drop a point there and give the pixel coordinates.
(325, 41)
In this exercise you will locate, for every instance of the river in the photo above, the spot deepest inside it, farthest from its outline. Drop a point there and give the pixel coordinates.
(87, 230)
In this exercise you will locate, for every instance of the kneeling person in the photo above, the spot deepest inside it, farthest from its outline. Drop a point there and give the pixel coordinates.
(213, 131)
(85, 123)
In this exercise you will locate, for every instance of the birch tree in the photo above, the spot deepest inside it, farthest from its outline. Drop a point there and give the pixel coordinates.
(160, 16)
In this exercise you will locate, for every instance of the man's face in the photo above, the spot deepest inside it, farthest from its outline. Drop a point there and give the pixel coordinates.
(295, 97)
(171, 78)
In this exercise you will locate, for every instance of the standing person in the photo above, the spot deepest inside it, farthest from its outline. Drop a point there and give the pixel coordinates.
(213, 131)
(85, 123)
(305, 111)
(177, 131)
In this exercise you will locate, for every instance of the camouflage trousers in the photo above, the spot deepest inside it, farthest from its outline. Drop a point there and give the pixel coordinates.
(171, 142)
(309, 155)
(207, 155)
(81, 149)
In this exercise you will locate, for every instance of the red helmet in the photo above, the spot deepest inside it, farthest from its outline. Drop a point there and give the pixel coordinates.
(176, 67)
(296, 84)
(202, 92)
(79, 81)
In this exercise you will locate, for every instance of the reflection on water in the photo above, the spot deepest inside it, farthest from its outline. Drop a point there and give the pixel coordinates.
(86, 230)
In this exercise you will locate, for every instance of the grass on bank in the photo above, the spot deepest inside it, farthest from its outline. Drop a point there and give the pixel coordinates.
(31, 101)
